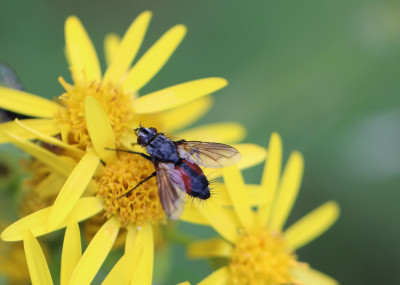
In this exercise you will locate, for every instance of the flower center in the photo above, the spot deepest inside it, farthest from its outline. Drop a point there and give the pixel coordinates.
(140, 205)
(115, 102)
(262, 257)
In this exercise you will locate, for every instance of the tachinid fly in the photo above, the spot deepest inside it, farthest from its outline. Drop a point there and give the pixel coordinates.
(177, 167)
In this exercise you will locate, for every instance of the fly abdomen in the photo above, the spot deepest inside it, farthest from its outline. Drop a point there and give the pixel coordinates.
(195, 181)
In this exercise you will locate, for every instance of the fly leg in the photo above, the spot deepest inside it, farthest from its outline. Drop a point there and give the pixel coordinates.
(144, 180)
(140, 183)
(130, 151)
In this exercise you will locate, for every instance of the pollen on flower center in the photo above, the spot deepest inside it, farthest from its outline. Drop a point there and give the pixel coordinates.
(261, 257)
(139, 206)
(116, 103)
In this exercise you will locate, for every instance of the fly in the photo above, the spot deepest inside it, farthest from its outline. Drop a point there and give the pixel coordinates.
(177, 167)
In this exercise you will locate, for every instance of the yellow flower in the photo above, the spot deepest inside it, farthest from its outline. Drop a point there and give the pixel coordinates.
(137, 213)
(91, 119)
(258, 249)
(73, 262)
(116, 91)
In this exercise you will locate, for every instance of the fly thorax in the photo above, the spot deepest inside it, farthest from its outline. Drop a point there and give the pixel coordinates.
(163, 150)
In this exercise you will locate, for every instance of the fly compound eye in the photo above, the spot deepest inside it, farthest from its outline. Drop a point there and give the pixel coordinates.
(142, 140)
(153, 131)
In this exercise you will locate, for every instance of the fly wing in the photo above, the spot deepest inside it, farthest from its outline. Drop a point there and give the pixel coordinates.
(208, 154)
(171, 189)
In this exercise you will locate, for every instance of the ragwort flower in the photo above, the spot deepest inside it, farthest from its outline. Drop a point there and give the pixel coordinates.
(137, 212)
(258, 249)
(123, 109)
(116, 91)
(95, 114)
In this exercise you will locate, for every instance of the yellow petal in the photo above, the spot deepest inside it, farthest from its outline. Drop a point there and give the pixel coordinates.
(62, 166)
(28, 104)
(186, 115)
(71, 251)
(91, 189)
(184, 283)
(36, 261)
(111, 43)
(154, 59)
(122, 271)
(100, 130)
(215, 247)
(219, 220)
(221, 132)
(144, 271)
(311, 276)
(253, 192)
(178, 95)
(130, 239)
(128, 48)
(37, 222)
(219, 193)
(45, 126)
(73, 188)
(49, 139)
(218, 277)
(312, 225)
(95, 253)
(270, 178)
(251, 155)
(287, 191)
(50, 185)
(80, 52)
(236, 189)
(192, 215)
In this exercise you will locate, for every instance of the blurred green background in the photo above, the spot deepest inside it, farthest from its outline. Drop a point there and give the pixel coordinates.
(324, 74)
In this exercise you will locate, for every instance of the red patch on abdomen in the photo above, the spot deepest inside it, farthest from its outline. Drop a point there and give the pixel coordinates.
(194, 167)
(187, 180)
